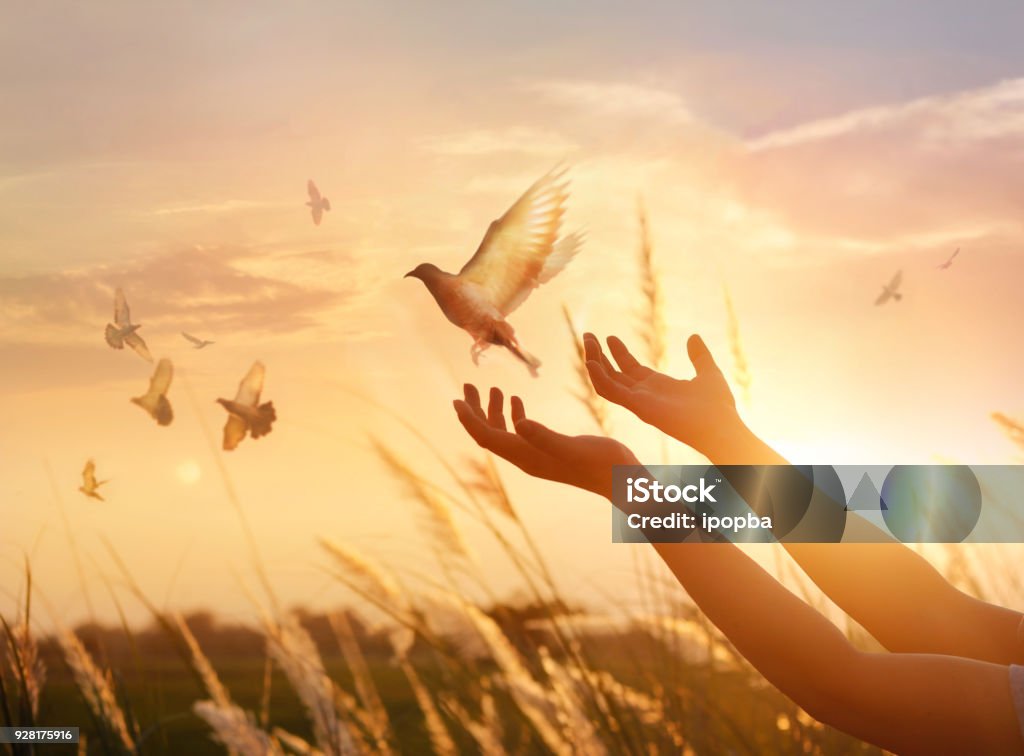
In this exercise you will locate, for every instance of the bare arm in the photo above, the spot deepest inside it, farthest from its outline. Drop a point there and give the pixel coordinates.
(888, 588)
(906, 702)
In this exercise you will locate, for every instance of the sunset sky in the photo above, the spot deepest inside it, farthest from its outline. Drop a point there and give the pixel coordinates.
(799, 157)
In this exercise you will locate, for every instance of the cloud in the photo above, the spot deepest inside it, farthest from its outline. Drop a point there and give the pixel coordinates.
(192, 287)
(928, 173)
(990, 112)
(227, 206)
(615, 99)
(479, 142)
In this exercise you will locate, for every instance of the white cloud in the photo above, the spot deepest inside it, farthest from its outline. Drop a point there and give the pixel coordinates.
(990, 112)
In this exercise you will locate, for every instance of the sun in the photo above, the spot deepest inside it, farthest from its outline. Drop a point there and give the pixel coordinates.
(189, 472)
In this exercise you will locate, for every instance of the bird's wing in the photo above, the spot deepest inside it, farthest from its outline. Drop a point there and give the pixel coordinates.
(160, 383)
(234, 431)
(883, 297)
(113, 337)
(121, 315)
(318, 214)
(135, 342)
(896, 280)
(251, 386)
(191, 338)
(511, 259)
(314, 193)
(957, 252)
(565, 249)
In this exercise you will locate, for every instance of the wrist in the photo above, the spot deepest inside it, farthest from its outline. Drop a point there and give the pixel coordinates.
(733, 443)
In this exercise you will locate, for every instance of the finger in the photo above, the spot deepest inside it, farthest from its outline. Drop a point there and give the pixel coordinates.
(606, 386)
(477, 427)
(593, 351)
(473, 399)
(518, 410)
(506, 445)
(700, 356)
(496, 409)
(546, 440)
(625, 359)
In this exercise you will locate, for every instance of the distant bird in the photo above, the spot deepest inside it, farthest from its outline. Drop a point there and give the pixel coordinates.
(946, 265)
(890, 290)
(245, 413)
(518, 253)
(123, 331)
(197, 343)
(89, 483)
(154, 401)
(316, 203)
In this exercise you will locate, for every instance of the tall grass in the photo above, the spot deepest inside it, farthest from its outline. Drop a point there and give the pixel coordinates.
(1013, 429)
(740, 367)
(652, 320)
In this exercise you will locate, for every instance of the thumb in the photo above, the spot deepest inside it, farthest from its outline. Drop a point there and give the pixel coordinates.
(700, 356)
(543, 438)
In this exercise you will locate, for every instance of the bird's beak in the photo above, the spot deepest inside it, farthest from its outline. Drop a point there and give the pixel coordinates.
(410, 274)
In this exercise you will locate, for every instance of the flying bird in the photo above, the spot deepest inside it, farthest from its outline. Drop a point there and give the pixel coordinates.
(316, 203)
(946, 265)
(89, 483)
(891, 290)
(122, 331)
(154, 401)
(520, 251)
(245, 413)
(197, 343)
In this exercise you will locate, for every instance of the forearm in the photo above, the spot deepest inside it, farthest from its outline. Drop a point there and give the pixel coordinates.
(890, 589)
(787, 641)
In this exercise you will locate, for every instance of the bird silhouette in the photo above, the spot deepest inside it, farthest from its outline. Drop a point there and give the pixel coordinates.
(154, 401)
(316, 203)
(245, 413)
(520, 251)
(89, 483)
(946, 265)
(890, 290)
(197, 343)
(122, 331)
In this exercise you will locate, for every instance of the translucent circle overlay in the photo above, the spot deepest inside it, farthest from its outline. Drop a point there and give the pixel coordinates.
(931, 503)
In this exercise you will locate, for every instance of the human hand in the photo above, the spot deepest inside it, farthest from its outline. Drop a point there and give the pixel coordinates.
(582, 461)
(700, 412)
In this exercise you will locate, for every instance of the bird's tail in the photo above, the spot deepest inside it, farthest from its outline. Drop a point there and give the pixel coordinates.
(326, 204)
(506, 337)
(265, 417)
(897, 296)
(531, 362)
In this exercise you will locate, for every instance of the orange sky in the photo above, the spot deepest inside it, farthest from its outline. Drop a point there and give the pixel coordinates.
(800, 168)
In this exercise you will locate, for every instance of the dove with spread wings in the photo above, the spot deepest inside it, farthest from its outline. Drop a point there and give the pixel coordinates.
(90, 485)
(245, 413)
(122, 331)
(317, 204)
(195, 342)
(891, 290)
(949, 261)
(154, 401)
(520, 251)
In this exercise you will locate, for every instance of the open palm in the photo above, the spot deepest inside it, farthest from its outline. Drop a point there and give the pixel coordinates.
(582, 461)
(700, 411)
